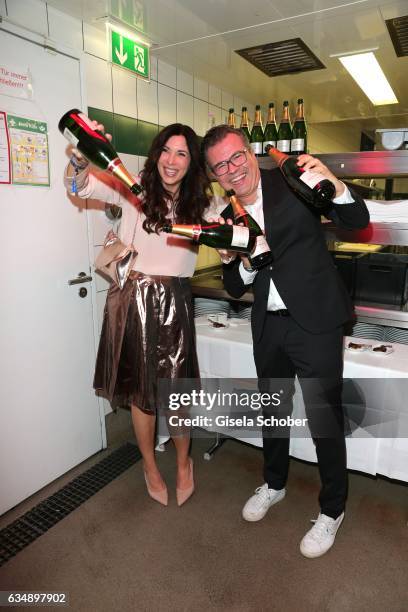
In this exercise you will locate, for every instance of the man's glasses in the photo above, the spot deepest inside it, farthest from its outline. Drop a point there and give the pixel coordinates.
(238, 159)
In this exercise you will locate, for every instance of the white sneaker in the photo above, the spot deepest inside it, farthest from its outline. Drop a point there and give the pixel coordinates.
(320, 538)
(258, 505)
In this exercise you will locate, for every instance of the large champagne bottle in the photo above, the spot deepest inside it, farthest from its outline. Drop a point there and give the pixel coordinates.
(231, 118)
(299, 131)
(217, 236)
(315, 188)
(244, 127)
(285, 130)
(93, 144)
(271, 132)
(257, 132)
(261, 255)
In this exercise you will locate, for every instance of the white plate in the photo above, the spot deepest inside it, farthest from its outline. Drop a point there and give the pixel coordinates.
(388, 347)
(220, 320)
(233, 321)
(359, 348)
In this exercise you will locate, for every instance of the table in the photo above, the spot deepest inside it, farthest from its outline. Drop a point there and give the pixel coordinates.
(227, 353)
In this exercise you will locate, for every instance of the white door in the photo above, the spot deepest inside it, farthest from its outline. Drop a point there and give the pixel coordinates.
(50, 419)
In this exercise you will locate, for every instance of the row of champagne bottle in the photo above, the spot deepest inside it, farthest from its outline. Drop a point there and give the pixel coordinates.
(286, 138)
(246, 236)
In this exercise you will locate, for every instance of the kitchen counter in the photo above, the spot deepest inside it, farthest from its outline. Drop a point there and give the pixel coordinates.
(208, 283)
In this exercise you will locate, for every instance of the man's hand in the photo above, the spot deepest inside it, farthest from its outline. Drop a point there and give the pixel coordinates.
(307, 162)
(226, 256)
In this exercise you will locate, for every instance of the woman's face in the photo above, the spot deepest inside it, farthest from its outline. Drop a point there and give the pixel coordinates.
(173, 163)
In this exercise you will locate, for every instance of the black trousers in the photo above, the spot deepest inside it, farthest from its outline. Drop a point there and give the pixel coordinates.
(284, 350)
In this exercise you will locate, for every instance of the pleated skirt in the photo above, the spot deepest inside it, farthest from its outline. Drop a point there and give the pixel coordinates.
(147, 335)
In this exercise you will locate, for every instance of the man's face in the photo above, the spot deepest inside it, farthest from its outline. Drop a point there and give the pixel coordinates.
(242, 179)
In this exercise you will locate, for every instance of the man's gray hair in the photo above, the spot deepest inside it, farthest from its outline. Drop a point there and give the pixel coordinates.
(217, 134)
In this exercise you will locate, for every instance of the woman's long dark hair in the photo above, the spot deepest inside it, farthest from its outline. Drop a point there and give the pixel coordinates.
(191, 200)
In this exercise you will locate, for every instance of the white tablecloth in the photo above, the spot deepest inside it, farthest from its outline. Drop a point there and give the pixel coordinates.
(227, 353)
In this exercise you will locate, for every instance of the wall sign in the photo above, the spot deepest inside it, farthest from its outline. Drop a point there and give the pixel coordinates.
(5, 165)
(15, 82)
(129, 54)
(29, 151)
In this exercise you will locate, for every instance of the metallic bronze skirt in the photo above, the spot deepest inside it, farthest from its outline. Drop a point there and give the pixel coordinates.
(147, 334)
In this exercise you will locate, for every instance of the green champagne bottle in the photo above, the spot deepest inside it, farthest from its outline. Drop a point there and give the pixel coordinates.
(285, 130)
(93, 144)
(299, 132)
(271, 131)
(244, 127)
(261, 255)
(217, 236)
(313, 187)
(257, 135)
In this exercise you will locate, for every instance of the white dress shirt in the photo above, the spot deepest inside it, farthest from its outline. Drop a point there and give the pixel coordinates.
(275, 301)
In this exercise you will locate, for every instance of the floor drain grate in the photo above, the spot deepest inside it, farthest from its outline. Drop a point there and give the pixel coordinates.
(46, 514)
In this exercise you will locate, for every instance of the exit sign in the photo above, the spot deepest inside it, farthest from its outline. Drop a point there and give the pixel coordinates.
(129, 54)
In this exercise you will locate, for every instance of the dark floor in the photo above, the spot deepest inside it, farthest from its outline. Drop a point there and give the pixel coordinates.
(122, 551)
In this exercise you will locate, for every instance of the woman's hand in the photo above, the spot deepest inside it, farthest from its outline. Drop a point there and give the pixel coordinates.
(226, 256)
(308, 162)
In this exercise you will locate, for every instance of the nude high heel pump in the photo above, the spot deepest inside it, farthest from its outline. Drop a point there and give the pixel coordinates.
(184, 494)
(161, 496)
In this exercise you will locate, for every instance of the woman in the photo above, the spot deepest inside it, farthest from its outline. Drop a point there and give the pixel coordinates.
(148, 328)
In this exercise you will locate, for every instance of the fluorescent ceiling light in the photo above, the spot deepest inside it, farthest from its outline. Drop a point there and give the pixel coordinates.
(367, 72)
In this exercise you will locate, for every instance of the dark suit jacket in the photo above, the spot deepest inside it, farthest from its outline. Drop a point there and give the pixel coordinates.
(303, 270)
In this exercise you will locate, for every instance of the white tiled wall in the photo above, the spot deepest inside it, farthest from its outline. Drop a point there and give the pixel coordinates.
(167, 103)
(124, 92)
(147, 105)
(65, 29)
(31, 14)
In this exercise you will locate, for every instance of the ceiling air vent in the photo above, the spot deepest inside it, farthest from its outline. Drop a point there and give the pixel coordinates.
(398, 30)
(284, 57)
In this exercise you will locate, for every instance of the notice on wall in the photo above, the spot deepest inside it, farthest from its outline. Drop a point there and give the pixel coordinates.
(15, 81)
(29, 151)
(5, 165)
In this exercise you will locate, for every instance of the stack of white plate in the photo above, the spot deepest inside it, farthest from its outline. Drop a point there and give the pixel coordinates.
(241, 311)
(206, 306)
(368, 330)
(396, 334)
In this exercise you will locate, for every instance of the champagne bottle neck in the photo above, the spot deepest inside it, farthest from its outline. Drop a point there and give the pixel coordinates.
(191, 231)
(238, 209)
(271, 116)
(118, 169)
(278, 156)
(258, 118)
(244, 120)
(285, 114)
(300, 116)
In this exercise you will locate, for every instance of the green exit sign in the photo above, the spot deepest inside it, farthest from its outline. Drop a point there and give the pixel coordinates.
(129, 54)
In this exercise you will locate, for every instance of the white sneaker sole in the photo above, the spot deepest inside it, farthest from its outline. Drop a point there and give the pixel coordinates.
(259, 517)
(315, 555)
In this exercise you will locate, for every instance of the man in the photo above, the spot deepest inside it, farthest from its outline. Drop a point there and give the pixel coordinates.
(300, 307)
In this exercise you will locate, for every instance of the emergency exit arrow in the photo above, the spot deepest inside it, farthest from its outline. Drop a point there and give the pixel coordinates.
(122, 57)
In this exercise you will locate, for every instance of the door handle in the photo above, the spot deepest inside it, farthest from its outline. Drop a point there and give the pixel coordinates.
(81, 278)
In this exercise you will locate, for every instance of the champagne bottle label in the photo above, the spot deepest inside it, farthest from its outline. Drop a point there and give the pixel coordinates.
(256, 147)
(240, 236)
(311, 178)
(268, 142)
(298, 144)
(284, 146)
(261, 246)
(70, 137)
